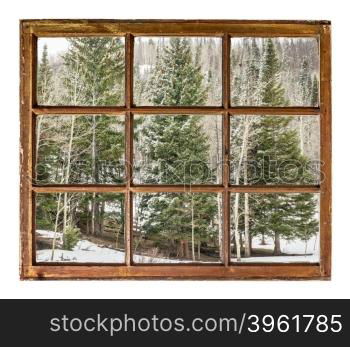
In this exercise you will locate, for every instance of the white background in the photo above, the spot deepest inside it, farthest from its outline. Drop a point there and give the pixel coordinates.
(13, 10)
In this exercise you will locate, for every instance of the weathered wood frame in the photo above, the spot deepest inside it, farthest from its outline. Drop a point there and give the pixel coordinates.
(30, 30)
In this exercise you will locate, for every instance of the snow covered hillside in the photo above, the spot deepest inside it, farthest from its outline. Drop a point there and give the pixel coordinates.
(88, 252)
(295, 251)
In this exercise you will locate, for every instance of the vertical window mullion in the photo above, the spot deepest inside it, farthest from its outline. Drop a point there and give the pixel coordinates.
(226, 148)
(129, 47)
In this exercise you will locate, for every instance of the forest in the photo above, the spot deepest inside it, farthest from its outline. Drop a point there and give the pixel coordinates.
(177, 149)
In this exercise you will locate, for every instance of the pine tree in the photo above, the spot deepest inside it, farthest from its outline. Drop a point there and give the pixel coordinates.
(274, 147)
(180, 149)
(305, 84)
(44, 80)
(92, 74)
(272, 91)
(177, 79)
(94, 71)
(314, 93)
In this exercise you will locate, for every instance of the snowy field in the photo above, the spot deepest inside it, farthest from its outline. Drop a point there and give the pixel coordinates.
(88, 252)
(295, 251)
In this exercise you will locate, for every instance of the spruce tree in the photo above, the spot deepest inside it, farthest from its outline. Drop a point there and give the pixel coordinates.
(177, 79)
(314, 93)
(92, 74)
(274, 147)
(280, 160)
(44, 80)
(94, 71)
(177, 149)
(272, 91)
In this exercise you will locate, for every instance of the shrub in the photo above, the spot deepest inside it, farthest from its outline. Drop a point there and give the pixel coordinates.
(70, 238)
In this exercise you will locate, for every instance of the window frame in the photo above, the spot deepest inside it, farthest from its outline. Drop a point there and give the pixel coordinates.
(31, 30)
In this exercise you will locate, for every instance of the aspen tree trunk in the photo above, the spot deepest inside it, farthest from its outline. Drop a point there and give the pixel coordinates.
(56, 226)
(102, 212)
(236, 205)
(65, 197)
(117, 239)
(38, 133)
(301, 134)
(277, 249)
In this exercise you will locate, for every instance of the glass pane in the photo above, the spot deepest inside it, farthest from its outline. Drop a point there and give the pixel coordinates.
(177, 227)
(177, 71)
(80, 149)
(81, 71)
(80, 227)
(275, 150)
(275, 228)
(275, 71)
(177, 149)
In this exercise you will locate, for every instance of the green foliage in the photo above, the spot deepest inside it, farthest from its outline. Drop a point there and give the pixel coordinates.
(45, 79)
(71, 237)
(314, 93)
(94, 71)
(272, 91)
(168, 217)
(177, 79)
(274, 155)
(180, 149)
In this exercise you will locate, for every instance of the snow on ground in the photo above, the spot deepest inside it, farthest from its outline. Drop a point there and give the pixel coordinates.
(314, 258)
(88, 252)
(48, 234)
(295, 250)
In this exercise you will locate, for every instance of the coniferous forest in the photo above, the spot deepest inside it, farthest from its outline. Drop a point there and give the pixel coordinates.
(177, 149)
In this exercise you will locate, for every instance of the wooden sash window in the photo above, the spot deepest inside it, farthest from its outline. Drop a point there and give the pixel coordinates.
(175, 149)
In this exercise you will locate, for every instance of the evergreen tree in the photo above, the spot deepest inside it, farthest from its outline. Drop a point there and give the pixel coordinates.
(44, 80)
(273, 147)
(314, 93)
(177, 79)
(93, 74)
(180, 149)
(305, 84)
(272, 91)
(94, 71)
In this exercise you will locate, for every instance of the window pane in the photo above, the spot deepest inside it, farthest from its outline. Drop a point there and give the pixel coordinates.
(80, 149)
(177, 149)
(275, 71)
(275, 150)
(177, 227)
(80, 71)
(275, 228)
(80, 227)
(177, 71)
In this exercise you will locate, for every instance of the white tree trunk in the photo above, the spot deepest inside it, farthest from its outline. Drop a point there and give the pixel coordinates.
(301, 134)
(238, 172)
(56, 227)
(66, 180)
